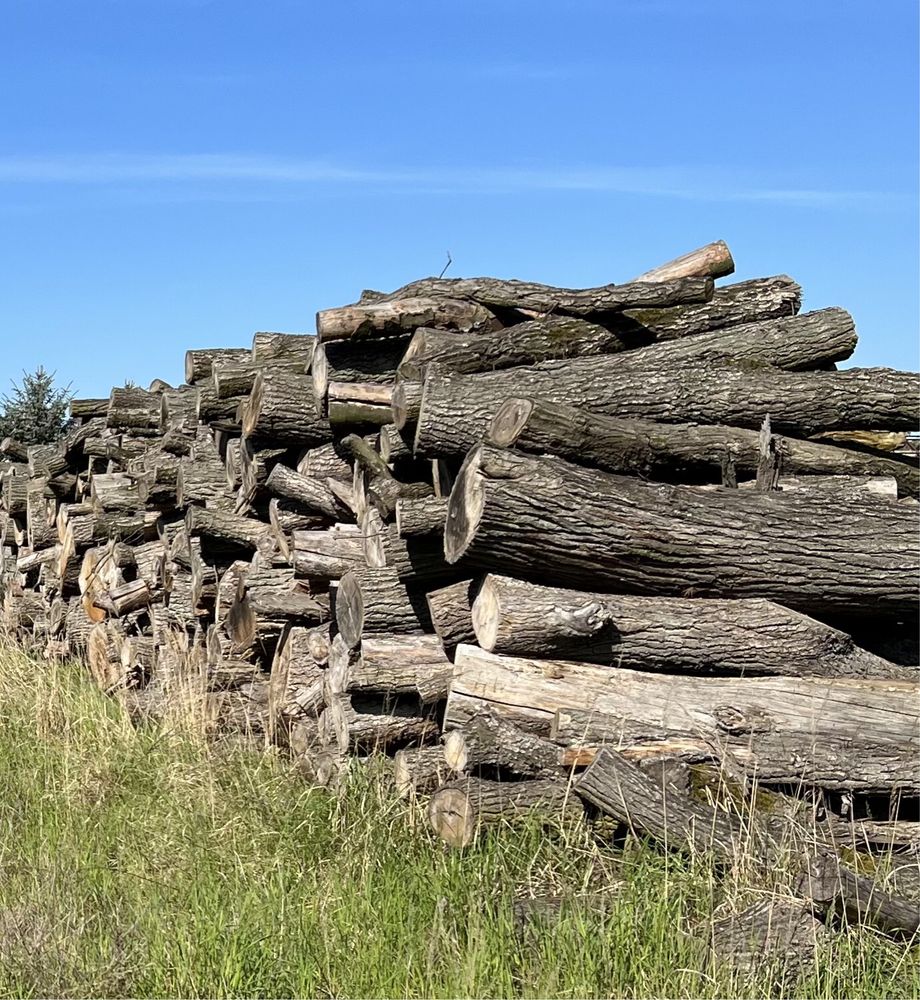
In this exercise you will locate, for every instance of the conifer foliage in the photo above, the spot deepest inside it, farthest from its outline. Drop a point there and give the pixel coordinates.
(36, 410)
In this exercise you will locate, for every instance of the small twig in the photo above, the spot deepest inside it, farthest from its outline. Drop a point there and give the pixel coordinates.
(450, 261)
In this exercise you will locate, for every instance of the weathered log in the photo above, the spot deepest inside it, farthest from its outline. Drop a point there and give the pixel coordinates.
(201, 479)
(295, 685)
(124, 599)
(348, 361)
(179, 409)
(328, 554)
(521, 344)
(376, 600)
(235, 378)
(421, 516)
(680, 452)
(496, 293)
(312, 494)
(257, 461)
(281, 407)
(529, 692)
(286, 347)
(747, 636)
(397, 318)
(416, 559)
(200, 363)
(209, 408)
(450, 609)
(577, 526)
(459, 809)
(222, 526)
(393, 446)
(134, 408)
(418, 771)
(797, 759)
(325, 461)
(713, 260)
(368, 724)
(397, 664)
(86, 409)
(488, 742)
(40, 516)
(349, 412)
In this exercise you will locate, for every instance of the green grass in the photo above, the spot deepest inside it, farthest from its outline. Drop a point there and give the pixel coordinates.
(147, 863)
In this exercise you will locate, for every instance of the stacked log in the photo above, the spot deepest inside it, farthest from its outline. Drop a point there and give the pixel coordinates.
(498, 530)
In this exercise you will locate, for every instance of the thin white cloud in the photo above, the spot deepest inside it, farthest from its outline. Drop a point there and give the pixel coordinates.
(696, 184)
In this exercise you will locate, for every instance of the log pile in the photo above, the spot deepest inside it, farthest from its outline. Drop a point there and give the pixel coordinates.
(505, 533)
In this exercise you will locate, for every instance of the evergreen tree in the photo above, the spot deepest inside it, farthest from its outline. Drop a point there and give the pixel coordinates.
(35, 411)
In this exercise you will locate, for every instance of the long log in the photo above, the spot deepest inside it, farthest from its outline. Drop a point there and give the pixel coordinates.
(530, 692)
(496, 293)
(397, 318)
(368, 725)
(675, 452)
(222, 526)
(795, 759)
(713, 260)
(674, 634)
(577, 527)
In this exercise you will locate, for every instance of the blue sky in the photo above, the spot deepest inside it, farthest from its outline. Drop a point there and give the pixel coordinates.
(182, 173)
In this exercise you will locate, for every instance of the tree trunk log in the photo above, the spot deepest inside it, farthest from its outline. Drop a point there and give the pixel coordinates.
(675, 452)
(367, 725)
(421, 517)
(221, 526)
(451, 612)
(397, 318)
(532, 296)
(199, 364)
(328, 554)
(797, 759)
(457, 810)
(134, 409)
(746, 636)
(393, 446)
(416, 559)
(376, 600)
(299, 347)
(347, 361)
(533, 690)
(281, 407)
(418, 771)
(398, 664)
(713, 260)
(295, 687)
(576, 526)
(324, 462)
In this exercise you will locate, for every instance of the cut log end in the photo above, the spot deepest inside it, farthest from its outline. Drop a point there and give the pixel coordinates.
(349, 609)
(464, 508)
(452, 816)
(509, 421)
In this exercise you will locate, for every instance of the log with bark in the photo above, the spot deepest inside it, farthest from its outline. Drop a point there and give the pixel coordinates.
(395, 664)
(346, 361)
(372, 601)
(577, 526)
(677, 452)
(135, 409)
(709, 636)
(281, 407)
(368, 724)
(489, 744)
(402, 316)
(327, 554)
(496, 293)
(314, 495)
(529, 692)
(451, 613)
(713, 260)
(200, 363)
(287, 347)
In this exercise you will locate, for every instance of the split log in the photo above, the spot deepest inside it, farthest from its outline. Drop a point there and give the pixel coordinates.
(285, 347)
(397, 318)
(377, 601)
(369, 725)
(496, 293)
(746, 636)
(312, 494)
(199, 364)
(797, 759)
(281, 407)
(450, 609)
(397, 664)
(457, 810)
(577, 526)
(489, 743)
(418, 771)
(529, 692)
(681, 452)
(713, 260)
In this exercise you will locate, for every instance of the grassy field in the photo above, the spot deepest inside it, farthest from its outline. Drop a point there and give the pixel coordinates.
(147, 863)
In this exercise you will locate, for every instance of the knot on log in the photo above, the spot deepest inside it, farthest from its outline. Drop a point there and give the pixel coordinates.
(735, 722)
(586, 620)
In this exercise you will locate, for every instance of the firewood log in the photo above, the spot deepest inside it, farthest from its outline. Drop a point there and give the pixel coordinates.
(367, 724)
(134, 409)
(450, 609)
(501, 294)
(325, 461)
(488, 742)
(281, 407)
(529, 692)
(200, 363)
(86, 409)
(397, 318)
(418, 771)
(420, 516)
(328, 554)
(395, 664)
(295, 685)
(577, 526)
(312, 494)
(367, 362)
(675, 452)
(372, 601)
(267, 347)
(747, 636)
